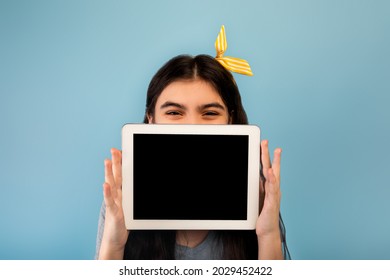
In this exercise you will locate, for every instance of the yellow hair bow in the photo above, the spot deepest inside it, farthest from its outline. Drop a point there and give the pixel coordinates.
(234, 64)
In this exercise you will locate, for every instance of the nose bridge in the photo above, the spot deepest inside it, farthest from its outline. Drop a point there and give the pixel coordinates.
(193, 118)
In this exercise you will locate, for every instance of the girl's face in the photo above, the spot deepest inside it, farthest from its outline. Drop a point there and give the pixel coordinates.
(190, 102)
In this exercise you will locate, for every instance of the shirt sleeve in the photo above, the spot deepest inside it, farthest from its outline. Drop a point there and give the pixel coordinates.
(102, 218)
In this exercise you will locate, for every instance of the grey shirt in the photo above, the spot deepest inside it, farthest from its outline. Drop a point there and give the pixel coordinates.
(210, 248)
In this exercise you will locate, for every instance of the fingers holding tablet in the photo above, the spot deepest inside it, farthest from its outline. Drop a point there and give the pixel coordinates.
(268, 221)
(276, 163)
(265, 157)
(113, 175)
(109, 187)
(271, 172)
(117, 167)
(115, 232)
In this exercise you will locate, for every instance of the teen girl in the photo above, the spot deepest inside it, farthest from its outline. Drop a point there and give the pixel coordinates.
(193, 90)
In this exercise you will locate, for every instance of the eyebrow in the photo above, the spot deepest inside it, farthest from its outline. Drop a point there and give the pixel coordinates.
(172, 104)
(202, 107)
(212, 105)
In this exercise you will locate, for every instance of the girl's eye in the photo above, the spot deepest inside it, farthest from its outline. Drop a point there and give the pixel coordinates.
(173, 113)
(211, 113)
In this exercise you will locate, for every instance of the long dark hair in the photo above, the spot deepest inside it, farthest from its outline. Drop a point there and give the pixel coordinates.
(160, 244)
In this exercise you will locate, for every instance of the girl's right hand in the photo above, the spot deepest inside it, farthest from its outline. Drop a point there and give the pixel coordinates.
(115, 233)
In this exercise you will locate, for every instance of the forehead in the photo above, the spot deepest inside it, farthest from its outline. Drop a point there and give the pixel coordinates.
(190, 92)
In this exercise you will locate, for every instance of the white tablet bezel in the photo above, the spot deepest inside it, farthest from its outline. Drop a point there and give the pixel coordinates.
(253, 175)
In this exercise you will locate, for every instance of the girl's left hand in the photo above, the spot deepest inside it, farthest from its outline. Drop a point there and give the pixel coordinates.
(268, 222)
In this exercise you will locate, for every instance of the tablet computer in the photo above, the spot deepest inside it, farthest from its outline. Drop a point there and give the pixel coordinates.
(190, 176)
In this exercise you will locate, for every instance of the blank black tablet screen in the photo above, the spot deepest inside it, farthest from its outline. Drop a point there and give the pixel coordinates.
(190, 177)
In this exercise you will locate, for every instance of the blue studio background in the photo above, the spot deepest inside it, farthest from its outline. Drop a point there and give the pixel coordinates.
(73, 72)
